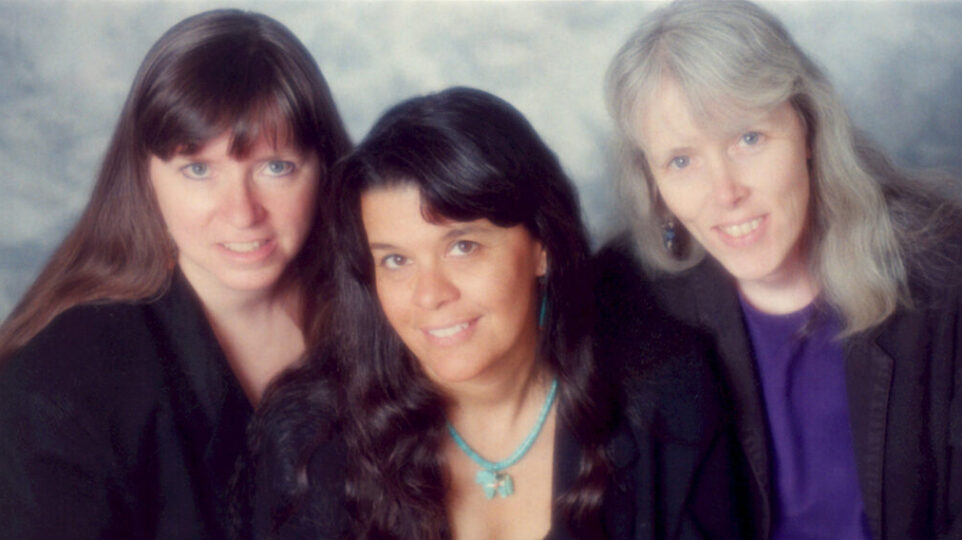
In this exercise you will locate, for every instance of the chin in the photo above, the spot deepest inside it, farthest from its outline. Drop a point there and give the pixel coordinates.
(748, 271)
(252, 282)
(446, 375)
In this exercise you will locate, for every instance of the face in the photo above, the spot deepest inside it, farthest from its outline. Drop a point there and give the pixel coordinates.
(237, 223)
(741, 190)
(461, 295)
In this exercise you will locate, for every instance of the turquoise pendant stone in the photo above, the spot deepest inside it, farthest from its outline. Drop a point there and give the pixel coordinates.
(495, 482)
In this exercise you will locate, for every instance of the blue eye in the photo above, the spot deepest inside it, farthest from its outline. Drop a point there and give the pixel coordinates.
(679, 162)
(464, 247)
(279, 168)
(393, 262)
(751, 137)
(196, 171)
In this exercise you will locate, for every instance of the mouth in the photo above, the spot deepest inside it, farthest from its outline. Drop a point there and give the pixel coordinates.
(449, 331)
(244, 247)
(739, 230)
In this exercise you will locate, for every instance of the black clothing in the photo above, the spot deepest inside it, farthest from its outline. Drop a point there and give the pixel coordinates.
(671, 448)
(904, 381)
(120, 420)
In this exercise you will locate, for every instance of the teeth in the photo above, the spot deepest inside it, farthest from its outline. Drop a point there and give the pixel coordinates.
(742, 229)
(449, 331)
(243, 247)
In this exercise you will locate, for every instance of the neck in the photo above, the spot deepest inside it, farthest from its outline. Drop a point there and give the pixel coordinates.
(790, 290)
(260, 332)
(492, 409)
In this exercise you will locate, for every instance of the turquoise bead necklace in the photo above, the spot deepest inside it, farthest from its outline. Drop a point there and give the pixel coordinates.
(492, 477)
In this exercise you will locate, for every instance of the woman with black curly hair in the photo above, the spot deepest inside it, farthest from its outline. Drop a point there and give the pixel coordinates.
(471, 402)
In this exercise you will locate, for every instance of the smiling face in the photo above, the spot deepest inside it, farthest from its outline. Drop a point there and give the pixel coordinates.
(237, 222)
(461, 295)
(742, 190)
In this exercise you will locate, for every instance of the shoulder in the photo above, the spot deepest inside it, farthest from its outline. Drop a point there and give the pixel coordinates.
(631, 298)
(646, 341)
(300, 455)
(86, 346)
(301, 499)
(674, 394)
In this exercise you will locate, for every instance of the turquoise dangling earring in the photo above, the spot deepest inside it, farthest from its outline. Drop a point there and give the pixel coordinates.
(544, 310)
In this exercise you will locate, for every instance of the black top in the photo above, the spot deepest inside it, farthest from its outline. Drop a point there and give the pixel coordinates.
(671, 447)
(903, 379)
(120, 420)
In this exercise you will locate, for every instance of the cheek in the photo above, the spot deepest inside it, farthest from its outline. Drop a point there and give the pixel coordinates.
(681, 199)
(298, 209)
(181, 216)
(797, 194)
(391, 299)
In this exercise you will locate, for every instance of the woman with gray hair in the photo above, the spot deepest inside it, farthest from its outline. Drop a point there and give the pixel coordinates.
(831, 283)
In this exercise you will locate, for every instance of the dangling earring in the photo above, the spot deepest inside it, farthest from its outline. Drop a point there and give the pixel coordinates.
(544, 309)
(668, 235)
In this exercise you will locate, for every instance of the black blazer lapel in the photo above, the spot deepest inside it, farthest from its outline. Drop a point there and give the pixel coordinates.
(619, 510)
(718, 309)
(212, 411)
(868, 372)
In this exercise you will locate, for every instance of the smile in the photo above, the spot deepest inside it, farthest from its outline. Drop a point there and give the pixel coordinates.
(741, 229)
(244, 247)
(448, 331)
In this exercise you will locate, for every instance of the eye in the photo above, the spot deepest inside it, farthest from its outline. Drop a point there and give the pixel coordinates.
(278, 168)
(464, 247)
(751, 138)
(393, 261)
(196, 171)
(679, 162)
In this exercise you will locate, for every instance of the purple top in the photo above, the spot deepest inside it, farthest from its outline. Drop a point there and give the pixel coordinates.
(802, 373)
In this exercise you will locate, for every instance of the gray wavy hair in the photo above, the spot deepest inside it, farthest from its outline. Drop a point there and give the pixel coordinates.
(734, 55)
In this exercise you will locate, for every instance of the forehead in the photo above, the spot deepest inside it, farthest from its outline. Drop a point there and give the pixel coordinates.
(395, 216)
(671, 116)
(227, 144)
(264, 125)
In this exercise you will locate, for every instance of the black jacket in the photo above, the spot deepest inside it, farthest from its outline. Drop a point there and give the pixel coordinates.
(671, 447)
(120, 420)
(904, 382)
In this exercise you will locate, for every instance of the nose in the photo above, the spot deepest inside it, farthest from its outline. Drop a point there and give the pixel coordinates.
(241, 203)
(433, 288)
(728, 188)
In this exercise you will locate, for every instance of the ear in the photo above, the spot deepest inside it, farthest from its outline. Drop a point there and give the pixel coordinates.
(542, 255)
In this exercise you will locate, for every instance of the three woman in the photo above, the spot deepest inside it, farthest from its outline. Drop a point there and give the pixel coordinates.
(472, 404)
(827, 278)
(129, 370)
(469, 392)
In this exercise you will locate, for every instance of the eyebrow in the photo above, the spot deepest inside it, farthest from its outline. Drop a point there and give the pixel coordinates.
(456, 232)
(661, 156)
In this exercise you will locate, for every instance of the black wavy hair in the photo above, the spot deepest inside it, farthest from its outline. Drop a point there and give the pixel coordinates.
(471, 155)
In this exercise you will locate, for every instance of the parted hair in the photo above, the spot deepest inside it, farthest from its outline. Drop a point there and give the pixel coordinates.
(869, 223)
(471, 155)
(215, 72)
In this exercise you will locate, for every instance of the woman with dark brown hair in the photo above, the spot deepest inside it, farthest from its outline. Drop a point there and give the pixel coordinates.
(130, 368)
(469, 399)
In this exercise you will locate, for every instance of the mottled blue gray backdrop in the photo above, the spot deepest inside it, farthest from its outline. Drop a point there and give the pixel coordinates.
(65, 70)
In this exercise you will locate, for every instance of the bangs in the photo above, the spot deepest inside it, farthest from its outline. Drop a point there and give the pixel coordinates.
(249, 97)
(459, 191)
(185, 129)
(722, 87)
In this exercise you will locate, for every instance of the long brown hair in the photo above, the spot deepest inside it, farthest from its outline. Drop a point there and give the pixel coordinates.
(218, 71)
